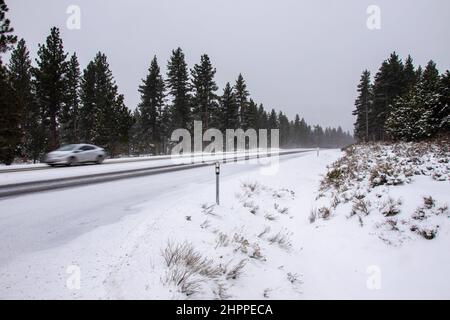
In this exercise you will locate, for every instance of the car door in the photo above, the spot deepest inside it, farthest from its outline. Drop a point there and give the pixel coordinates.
(91, 154)
(82, 153)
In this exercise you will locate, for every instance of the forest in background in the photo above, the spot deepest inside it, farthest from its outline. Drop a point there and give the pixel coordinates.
(53, 102)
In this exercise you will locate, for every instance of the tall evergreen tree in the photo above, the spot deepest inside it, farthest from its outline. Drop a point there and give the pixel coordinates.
(10, 119)
(283, 124)
(10, 131)
(241, 94)
(70, 117)
(444, 101)
(409, 74)
(105, 119)
(252, 115)
(388, 85)
(229, 109)
(138, 144)
(7, 39)
(121, 124)
(430, 84)
(21, 81)
(296, 131)
(318, 136)
(262, 118)
(51, 84)
(430, 78)
(88, 103)
(151, 107)
(363, 106)
(178, 86)
(204, 87)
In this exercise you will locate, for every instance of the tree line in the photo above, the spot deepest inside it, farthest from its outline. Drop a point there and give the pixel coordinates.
(53, 102)
(403, 102)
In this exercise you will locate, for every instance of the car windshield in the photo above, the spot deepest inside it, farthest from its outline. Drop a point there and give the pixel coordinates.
(68, 147)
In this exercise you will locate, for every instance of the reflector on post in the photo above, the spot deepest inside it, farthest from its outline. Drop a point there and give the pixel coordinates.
(217, 182)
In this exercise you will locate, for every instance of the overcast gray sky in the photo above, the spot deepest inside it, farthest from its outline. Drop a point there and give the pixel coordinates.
(301, 57)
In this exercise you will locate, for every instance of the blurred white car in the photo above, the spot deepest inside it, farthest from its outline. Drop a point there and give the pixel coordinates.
(75, 153)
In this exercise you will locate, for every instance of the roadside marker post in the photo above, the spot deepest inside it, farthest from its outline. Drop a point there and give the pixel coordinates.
(217, 182)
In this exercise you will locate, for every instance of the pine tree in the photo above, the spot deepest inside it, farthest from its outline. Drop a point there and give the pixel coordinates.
(229, 109)
(405, 120)
(69, 118)
(51, 84)
(430, 78)
(444, 101)
(318, 136)
(10, 131)
(241, 94)
(137, 142)
(409, 74)
(204, 100)
(178, 85)
(151, 107)
(363, 106)
(388, 85)
(418, 114)
(21, 81)
(261, 118)
(283, 124)
(105, 119)
(305, 133)
(120, 126)
(429, 89)
(7, 39)
(272, 121)
(88, 103)
(252, 115)
(296, 131)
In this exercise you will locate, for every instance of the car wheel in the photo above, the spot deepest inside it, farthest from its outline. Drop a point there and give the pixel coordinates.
(71, 161)
(99, 160)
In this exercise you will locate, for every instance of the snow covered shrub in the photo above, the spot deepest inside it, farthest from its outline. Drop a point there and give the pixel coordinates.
(270, 216)
(361, 207)
(324, 213)
(391, 207)
(188, 269)
(250, 188)
(283, 193)
(253, 208)
(264, 232)
(282, 238)
(208, 209)
(360, 183)
(334, 178)
(293, 277)
(257, 253)
(242, 243)
(283, 210)
(222, 240)
(427, 233)
(428, 202)
(235, 271)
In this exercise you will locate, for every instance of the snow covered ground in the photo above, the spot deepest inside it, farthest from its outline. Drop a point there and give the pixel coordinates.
(258, 244)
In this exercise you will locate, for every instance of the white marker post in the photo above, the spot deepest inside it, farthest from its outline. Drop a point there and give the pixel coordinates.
(217, 182)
